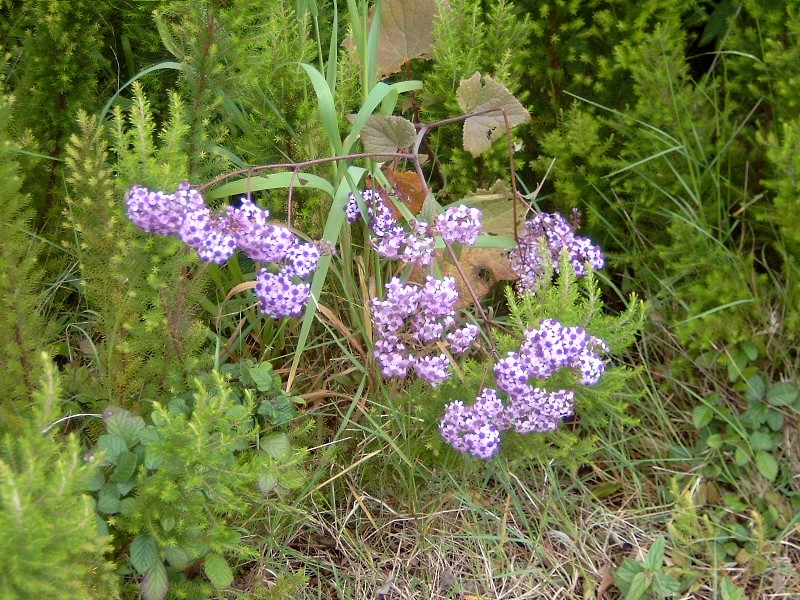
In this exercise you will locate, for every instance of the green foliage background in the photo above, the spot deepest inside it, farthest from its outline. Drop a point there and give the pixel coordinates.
(671, 126)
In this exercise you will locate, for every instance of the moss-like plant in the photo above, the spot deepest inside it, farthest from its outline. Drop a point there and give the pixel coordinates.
(143, 291)
(22, 328)
(51, 544)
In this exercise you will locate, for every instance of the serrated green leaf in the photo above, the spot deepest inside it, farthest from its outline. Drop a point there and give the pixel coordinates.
(627, 570)
(714, 441)
(702, 415)
(481, 131)
(755, 388)
(96, 481)
(237, 413)
(265, 378)
(155, 583)
(782, 394)
(143, 552)
(126, 467)
(218, 571)
(111, 445)
(761, 440)
(178, 557)
(775, 419)
(665, 585)
(127, 505)
(126, 486)
(750, 350)
(267, 483)
(102, 526)
(755, 415)
(167, 523)
(126, 425)
(279, 412)
(430, 209)
(277, 445)
(655, 555)
(741, 457)
(736, 364)
(154, 458)
(387, 133)
(766, 465)
(149, 435)
(639, 585)
(108, 499)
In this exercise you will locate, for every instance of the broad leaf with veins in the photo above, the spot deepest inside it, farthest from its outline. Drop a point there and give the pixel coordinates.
(480, 131)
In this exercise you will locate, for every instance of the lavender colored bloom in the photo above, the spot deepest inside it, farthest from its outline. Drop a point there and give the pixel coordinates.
(511, 375)
(279, 296)
(433, 369)
(301, 260)
(161, 213)
(420, 316)
(463, 338)
(475, 429)
(538, 410)
(545, 238)
(529, 409)
(392, 357)
(460, 224)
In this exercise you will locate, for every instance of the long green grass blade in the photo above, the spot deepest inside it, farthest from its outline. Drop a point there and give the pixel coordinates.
(158, 67)
(327, 108)
(271, 182)
(333, 228)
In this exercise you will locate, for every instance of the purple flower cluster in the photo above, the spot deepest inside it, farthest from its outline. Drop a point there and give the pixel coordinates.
(541, 245)
(476, 429)
(217, 235)
(460, 224)
(410, 320)
(416, 245)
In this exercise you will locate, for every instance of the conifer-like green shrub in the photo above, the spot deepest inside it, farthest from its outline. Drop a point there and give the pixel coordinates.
(22, 329)
(50, 543)
(144, 291)
(55, 72)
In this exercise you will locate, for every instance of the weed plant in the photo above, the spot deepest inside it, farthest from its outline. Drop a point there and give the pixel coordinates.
(351, 447)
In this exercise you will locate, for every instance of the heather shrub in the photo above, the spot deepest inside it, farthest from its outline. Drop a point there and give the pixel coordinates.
(51, 543)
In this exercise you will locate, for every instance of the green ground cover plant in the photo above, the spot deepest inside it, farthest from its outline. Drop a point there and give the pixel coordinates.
(400, 298)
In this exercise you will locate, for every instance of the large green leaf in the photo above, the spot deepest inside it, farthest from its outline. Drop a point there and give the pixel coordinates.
(125, 425)
(767, 465)
(144, 552)
(480, 131)
(218, 571)
(277, 445)
(108, 499)
(387, 133)
(111, 445)
(155, 583)
(126, 467)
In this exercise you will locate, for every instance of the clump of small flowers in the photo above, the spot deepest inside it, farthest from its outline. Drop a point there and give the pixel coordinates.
(392, 241)
(540, 246)
(528, 407)
(412, 319)
(217, 235)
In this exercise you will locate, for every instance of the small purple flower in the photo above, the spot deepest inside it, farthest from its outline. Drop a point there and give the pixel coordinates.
(460, 224)
(301, 260)
(541, 244)
(475, 429)
(463, 338)
(433, 368)
(279, 296)
(538, 410)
